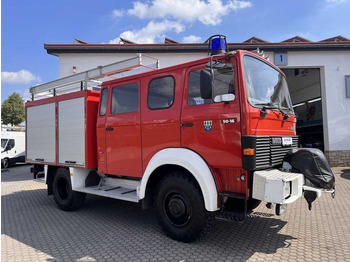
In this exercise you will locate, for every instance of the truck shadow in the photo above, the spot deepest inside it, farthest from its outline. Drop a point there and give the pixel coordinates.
(345, 174)
(17, 172)
(112, 230)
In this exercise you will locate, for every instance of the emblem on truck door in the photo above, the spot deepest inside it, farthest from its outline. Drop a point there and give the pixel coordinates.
(207, 125)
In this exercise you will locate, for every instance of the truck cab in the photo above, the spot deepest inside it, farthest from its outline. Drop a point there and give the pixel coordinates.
(247, 101)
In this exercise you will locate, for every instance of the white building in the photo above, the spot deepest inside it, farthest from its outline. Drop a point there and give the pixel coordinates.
(316, 73)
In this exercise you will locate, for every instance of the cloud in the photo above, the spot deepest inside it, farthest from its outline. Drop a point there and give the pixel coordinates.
(150, 32)
(170, 15)
(191, 39)
(117, 13)
(207, 12)
(20, 77)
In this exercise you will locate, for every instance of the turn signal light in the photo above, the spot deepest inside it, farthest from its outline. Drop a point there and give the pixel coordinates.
(248, 152)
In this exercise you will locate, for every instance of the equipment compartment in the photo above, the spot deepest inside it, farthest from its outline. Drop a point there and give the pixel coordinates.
(40, 134)
(61, 130)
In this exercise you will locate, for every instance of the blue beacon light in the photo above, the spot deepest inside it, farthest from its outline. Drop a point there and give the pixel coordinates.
(217, 44)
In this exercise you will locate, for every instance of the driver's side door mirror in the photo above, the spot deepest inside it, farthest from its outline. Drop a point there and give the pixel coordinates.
(206, 84)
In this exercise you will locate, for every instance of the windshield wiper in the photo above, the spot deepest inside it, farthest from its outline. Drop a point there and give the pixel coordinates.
(274, 105)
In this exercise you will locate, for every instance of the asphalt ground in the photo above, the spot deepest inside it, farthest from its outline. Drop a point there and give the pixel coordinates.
(34, 229)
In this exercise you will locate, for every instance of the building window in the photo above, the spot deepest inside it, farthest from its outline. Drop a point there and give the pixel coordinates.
(125, 99)
(161, 92)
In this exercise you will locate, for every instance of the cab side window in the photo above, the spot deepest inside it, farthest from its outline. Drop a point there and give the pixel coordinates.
(11, 143)
(194, 94)
(223, 80)
(161, 92)
(103, 101)
(125, 99)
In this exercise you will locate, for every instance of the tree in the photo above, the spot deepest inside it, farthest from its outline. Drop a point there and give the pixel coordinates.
(12, 110)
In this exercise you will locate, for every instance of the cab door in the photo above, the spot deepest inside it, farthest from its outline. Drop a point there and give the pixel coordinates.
(208, 128)
(123, 131)
(161, 107)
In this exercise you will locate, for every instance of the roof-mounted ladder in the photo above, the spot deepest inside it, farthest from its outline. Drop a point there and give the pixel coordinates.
(92, 79)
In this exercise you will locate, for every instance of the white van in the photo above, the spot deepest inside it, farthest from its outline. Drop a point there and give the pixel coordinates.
(12, 148)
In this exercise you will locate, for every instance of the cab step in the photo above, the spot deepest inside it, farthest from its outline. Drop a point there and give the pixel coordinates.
(122, 189)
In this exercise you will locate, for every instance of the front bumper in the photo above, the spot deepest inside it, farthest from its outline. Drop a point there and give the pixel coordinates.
(279, 187)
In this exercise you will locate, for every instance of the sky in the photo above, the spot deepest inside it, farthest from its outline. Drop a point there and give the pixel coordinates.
(27, 25)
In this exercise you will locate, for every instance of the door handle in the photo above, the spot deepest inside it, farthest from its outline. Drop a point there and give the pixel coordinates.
(187, 124)
(109, 129)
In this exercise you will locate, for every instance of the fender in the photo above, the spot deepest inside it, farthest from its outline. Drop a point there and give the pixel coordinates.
(191, 161)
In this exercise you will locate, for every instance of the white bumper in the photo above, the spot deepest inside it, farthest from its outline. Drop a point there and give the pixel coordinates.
(276, 186)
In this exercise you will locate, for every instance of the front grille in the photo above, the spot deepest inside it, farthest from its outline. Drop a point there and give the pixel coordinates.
(263, 152)
(268, 154)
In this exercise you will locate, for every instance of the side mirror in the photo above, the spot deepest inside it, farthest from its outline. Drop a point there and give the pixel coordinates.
(206, 84)
(8, 148)
(224, 98)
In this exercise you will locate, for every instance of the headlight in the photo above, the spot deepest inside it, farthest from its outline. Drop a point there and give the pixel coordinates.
(287, 189)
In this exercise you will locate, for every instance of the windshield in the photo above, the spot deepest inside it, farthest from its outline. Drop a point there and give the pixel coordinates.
(3, 142)
(265, 86)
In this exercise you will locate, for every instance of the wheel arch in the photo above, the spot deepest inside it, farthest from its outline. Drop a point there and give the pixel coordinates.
(175, 159)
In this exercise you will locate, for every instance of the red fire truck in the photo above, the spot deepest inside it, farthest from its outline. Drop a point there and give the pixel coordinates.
(209, 138)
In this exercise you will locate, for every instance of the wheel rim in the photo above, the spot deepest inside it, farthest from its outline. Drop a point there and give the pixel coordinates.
(177, 208)
(63, 188)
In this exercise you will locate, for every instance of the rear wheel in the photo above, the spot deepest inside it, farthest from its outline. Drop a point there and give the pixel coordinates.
(65, 198)
(180, 208)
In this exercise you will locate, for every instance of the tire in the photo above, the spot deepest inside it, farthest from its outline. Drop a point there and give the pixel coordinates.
(65, 198)
(5, 163)
(180, 208)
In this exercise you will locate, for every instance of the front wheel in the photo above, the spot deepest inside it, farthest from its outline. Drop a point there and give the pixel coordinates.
(5, 163)
(65, 198)
(180, 207)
